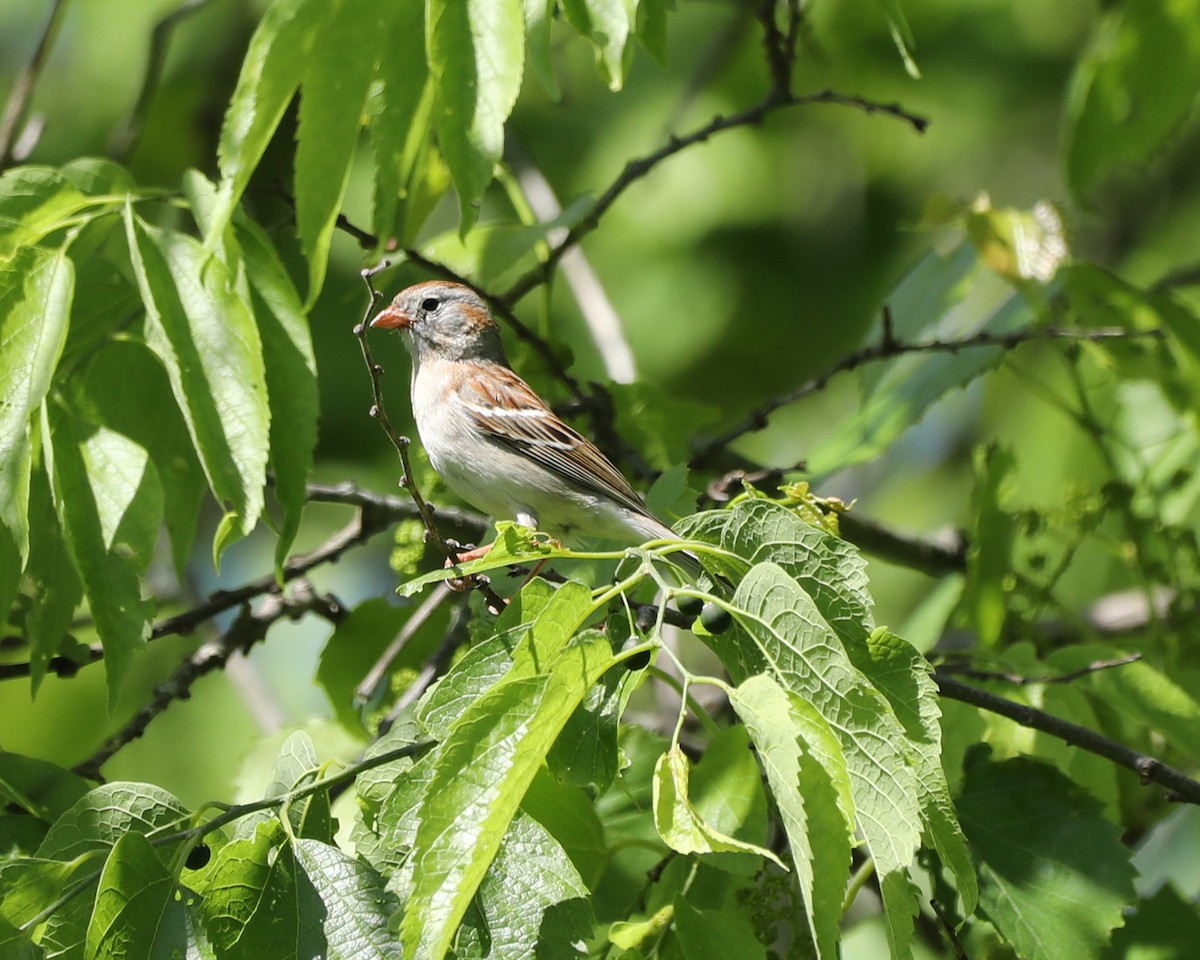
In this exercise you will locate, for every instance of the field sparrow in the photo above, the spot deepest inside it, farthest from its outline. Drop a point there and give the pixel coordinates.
(496, 442)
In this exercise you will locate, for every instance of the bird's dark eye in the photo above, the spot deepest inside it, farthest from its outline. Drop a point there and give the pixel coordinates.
(429, 304)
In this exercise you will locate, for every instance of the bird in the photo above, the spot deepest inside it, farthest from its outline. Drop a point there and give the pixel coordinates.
(494, 441)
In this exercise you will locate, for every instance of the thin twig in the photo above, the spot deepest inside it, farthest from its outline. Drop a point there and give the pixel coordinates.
(126, 135)
(947, 925)
(1149, 769)
(456, 636)
(367, 687)
(249, 628)
(888, 349)
(965, 670)
(379, 413)
(634, 170)
(22, 91)
(368, 523)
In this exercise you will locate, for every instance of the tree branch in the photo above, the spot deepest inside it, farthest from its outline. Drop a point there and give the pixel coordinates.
(22, 91)
(1149, 769)
(889, 348)
(635, 170)
(126, 135)
(249, 628)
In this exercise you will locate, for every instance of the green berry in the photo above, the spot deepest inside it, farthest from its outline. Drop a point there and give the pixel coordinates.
(689, 606)
(715, 619)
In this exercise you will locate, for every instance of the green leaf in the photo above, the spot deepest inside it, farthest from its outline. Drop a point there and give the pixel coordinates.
(727, 793)
(271, 72)
(257, 902)
(51, 582)
(28, 886)
(585, 753)
(336, 78)
(652, 27)
(205, 336)
(830, 570)
(117, 386)
(1133, 91)
(807, 773)
(400, 114)
(1053, 874)
(502, 739)
(513, 544)
(136, 912)
(532, 898)
(34, 202)
(35, 302)
(608, 24)
(296, 766)
(902, 675)
(1163, 927)
(356, 905)
(569, 814)
(39, 787)
(102, 816)
(679, 823)
(805, 655)
(539, 18)
(989, 558)
(291, 377)
(715, 934)
(109, 503)
(476, 50)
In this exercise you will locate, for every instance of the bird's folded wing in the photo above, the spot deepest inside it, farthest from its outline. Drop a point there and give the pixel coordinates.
(505, 408)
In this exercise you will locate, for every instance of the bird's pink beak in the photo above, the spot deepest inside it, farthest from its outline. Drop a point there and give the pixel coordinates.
(391, 317)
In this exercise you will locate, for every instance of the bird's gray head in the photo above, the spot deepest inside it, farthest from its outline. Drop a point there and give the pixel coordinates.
(445, 320)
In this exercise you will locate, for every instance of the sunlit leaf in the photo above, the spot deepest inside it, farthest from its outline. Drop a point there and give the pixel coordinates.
(136, 911)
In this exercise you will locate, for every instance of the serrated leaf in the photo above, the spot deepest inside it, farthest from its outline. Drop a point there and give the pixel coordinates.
(95, 823)
(482, 771)
(109, 502)
(532, 899)
(296, 765)
(34, 202)
(807, 773)
(1053, 874)
(1162, 927)
(334, 90)
(357, 907)
(726, 790)
(105, 814)
(35, 302)
(271, 73)
(902, 675)
(258, 903)
(678, 822)
(205, 336)
(39, 787)
(136, 911)
(118, 385)
(805, 656)
(476, 58)
(585, 753)
(513, 544)
(830, 570)
(400, 114)
(1134, 89)
(291, 377)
